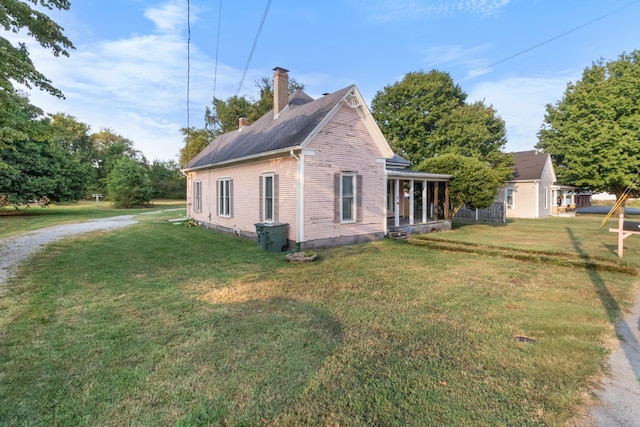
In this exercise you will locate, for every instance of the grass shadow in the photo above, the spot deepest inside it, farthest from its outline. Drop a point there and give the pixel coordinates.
(611, 248)
(457, 223)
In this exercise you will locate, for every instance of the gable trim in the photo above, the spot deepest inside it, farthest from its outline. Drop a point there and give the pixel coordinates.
(365, 115)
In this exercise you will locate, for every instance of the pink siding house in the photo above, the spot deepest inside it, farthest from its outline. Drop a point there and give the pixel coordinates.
(321, 166)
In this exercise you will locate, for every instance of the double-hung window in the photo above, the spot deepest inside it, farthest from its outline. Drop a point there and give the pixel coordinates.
(348, 197)
(197, 196)
(269, 197)
(508, 196)
(225, 194)
(347, 207)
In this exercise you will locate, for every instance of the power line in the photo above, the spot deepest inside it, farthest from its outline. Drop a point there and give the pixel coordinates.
(255, 42)
(215, 71)
(188, 62)
(549, 40)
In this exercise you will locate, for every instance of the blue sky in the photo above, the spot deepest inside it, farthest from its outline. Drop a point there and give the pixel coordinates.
(129, 70)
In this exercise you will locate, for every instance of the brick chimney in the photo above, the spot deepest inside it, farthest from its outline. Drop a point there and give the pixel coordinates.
(242, 122)
(280, 90)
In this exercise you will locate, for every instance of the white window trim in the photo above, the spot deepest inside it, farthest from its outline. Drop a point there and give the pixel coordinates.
(354, 205)
(513, 197)
(546, 197)
(197, 196)
(221, 197)
(264, 197)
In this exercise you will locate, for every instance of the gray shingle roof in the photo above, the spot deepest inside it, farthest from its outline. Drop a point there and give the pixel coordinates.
(528, 165)
(398, 160)
(294, 124)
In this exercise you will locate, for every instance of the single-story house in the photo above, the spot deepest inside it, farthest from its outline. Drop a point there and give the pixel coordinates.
(322, 166)
(533, 192)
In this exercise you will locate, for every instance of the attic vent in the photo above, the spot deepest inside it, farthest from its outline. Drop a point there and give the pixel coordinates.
(352, 100)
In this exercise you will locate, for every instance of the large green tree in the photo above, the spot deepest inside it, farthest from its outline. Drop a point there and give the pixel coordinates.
(73, 136)
(223, 115)
(34, 166)
(110, 147)
(22, 132)
(473, 182)
(195, 140)
(39, 169)
(593, 132)
(425, 115)
(167, 181)
(128, 184)
(427, 120)
(15, 64)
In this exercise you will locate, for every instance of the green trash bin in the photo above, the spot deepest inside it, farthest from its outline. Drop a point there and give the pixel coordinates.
(275, 236)
(262, 241)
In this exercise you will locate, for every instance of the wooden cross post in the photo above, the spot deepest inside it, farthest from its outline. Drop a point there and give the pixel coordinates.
(622, 234)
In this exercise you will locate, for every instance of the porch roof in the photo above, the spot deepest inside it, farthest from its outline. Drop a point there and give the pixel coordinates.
(409, 174)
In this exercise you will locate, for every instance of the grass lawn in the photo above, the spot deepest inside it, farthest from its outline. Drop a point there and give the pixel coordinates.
(160, 324)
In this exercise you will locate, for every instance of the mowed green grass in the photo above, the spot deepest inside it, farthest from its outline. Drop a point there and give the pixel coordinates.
(160, 324)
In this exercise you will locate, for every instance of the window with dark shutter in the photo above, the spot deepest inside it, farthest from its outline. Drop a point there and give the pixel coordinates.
(347, 203)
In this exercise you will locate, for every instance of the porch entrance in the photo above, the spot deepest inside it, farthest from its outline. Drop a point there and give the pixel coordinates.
(416, 198)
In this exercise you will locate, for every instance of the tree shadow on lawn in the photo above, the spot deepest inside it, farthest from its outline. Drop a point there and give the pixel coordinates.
(258, 356)
(613, 310)
(460, 223)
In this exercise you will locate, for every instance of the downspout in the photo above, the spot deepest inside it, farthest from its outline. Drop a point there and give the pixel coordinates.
(299, 199)
(537, 198)
(186, 202)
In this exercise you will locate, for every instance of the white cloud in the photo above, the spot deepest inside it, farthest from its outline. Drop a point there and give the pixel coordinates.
(170, 17)
(521, 101)
(394, 10)
(136, 86)
(458, 56)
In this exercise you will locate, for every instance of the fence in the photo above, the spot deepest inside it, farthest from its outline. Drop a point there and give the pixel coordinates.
(494, 213)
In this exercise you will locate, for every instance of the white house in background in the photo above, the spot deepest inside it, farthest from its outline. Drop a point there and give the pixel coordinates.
(533, 192)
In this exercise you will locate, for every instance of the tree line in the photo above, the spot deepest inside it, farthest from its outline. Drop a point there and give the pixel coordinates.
(56, 158)
(592, 133)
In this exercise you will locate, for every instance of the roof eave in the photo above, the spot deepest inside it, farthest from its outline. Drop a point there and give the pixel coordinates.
(253, 157)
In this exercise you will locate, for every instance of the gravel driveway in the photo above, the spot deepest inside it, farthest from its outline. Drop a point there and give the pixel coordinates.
(15, 250)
